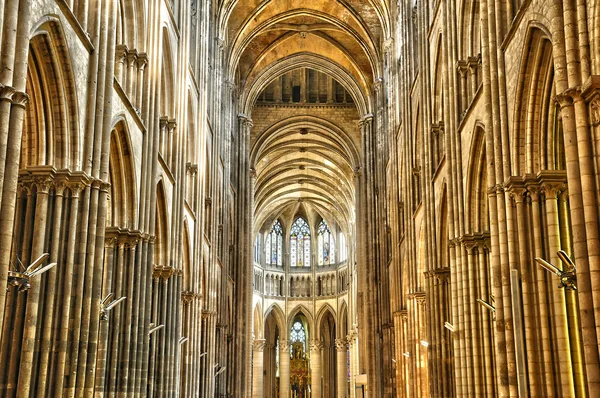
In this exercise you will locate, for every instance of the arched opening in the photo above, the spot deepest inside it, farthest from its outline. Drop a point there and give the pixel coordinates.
(329, 365)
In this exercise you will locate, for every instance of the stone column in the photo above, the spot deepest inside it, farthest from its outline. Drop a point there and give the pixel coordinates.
(341, 356)
(284, 369)
(315, 367)
(257, 371)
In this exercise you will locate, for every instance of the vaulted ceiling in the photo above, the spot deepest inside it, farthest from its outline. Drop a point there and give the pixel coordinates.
(306, 163)
(347, 34)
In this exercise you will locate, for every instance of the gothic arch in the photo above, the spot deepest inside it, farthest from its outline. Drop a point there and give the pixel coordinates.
(168, 86)
(187, 257)
(343, 326)
(257, 321)
(534, 146)
(277, 313)
(161, 244)
(257, 82)
(469, 29)
(325, 309)
(476, 208)
(301, 309)
(122, 178)
(51, 126)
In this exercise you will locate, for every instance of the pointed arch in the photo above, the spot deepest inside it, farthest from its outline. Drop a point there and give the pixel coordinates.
(303, 310)
(300, 243)
(537, 142)
(51, 125)
(476, 200)
(323, 311)
(187, 257)
(122, 178)
(343, 320)
(276, 311)
(161, 244)
(258, 322)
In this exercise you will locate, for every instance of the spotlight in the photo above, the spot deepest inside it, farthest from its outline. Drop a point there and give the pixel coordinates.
(487, 305)
(106, 305)
(154, 328)
(424, 343)
(564, 257)
(449, 326)
(568, 278)
(549, 267)
(406, 354)
(21, 278)
(221, 370)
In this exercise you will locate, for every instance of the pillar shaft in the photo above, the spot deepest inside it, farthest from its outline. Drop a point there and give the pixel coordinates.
(342, 378)
(315, 367)
(258, 379)
(284, 369)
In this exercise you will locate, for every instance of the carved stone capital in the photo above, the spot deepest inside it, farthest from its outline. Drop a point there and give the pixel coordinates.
(44, 185)
(192, 168)
(6, 93)
(20, 99)
(259, 345)
(341, 345)
(142, 61)
(316, 345)
(284, 346)
(121, 52)
(462, 66)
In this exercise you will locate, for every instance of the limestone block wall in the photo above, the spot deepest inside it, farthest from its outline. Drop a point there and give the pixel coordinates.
(113, 164)
(509, 87)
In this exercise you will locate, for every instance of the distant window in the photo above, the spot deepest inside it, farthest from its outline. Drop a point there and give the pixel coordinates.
(300, 244)
(296, 94)
(326, 245)
(298, 334)
(274, 245)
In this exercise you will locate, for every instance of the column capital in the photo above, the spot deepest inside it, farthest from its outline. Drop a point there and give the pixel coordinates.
(284, 345)
(6, 93)
(366, 119)
(462, 66)
(20, 99)
(388, 45)
(245, 120)
(121, 51)
(316, 345)
(259, 345)
(142, 60)
(551, 190)
(341, 345)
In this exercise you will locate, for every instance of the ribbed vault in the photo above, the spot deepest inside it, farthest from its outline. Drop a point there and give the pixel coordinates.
(308, 162)
(304, 163)
(263, 32)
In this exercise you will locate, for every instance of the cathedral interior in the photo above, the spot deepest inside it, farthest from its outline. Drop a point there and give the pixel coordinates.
(299, 198)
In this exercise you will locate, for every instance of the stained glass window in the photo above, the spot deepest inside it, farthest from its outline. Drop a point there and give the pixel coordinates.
(298, 334)
(300, 244)
(326, 245)
(274, 245)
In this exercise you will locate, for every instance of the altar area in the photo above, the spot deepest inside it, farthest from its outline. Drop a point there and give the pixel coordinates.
(299, 372)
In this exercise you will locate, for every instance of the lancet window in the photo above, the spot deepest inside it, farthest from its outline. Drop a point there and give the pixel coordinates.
(325, 244)
(300, 244)
(274, 245)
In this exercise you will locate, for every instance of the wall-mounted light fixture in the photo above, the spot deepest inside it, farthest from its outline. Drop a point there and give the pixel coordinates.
(568, 277)
(20, 278)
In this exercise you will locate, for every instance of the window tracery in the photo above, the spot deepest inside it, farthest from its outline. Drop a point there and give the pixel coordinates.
(300, 244)
(274, 245)
(325, 244)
